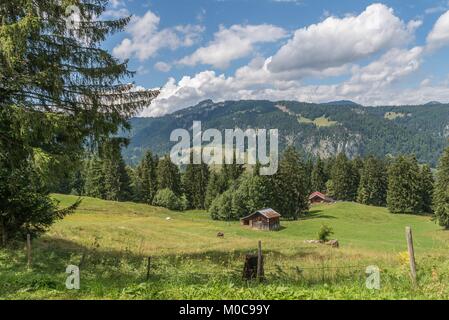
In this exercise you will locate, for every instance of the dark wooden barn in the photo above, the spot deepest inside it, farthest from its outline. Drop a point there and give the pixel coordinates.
(318, 197)
(265, 219)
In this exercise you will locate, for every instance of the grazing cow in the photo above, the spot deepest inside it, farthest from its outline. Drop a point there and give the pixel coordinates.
(220, 235)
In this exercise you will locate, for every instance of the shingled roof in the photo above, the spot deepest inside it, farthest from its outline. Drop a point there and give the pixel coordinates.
(321, 196)
(267, 213)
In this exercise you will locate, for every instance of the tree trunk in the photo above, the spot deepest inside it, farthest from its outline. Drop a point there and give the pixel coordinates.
(4, 233)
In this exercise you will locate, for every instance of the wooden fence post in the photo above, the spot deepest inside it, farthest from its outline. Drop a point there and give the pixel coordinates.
(29, 250)
(259, 262)
(411, 253)
(148, 267)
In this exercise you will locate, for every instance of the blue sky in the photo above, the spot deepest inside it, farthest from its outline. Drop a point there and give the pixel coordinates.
(374, 53)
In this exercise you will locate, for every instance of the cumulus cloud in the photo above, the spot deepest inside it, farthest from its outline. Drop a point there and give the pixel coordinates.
(439, 36)
(372, 84)
(338, 41)
(375, 83)
(233, 43)
(162, 66)
(146, 39)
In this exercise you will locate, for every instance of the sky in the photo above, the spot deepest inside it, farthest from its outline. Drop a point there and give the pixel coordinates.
(374, 53)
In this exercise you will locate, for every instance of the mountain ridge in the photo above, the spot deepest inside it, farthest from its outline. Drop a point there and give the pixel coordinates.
(317, 129)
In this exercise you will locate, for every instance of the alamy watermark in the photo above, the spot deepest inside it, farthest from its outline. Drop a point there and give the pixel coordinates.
(72, 15)
(239, 147)
(73, 279)
(373, 278)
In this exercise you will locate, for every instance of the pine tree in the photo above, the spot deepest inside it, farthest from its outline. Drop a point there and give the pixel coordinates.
(308, 168)
(58, 90)
(344, 179)
(25, 207)
(168, 176)
(195, 180)
(146, 178)
(318, 177)
(404, 191)
(373, 183)
(427, 186)
(217, 184)
(94, 184)
(116, 180)
(290, 196)
(441, 193)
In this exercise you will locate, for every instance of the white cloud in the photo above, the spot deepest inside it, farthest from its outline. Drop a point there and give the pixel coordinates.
(372, 84)
(116, 13)
(376, 83)
(234, 43)
(439, 36)
(442, 7)
(146, 39)
(162, 66)
(338, 41)
(393, 65)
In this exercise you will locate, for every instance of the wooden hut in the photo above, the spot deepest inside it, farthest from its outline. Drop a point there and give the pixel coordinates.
(265, 219)
(318, 197)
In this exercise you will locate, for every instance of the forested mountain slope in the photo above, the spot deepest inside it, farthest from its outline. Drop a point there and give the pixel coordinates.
(318, 129)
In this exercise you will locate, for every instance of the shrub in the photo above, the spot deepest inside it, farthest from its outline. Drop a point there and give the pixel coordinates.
(168, 199)
(325, 232)
(221, 207)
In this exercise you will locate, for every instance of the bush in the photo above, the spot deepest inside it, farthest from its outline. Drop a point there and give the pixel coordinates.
(240, 201)
(168, 199)
(221, 207)
(324, 233)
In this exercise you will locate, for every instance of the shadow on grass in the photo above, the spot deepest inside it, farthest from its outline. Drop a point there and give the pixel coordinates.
(317, 214)
(104, 270)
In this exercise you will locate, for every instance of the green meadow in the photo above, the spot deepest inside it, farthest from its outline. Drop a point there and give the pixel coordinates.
(111, 243)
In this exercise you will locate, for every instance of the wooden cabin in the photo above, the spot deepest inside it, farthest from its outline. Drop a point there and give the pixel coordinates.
(318, 197)
(265, 219)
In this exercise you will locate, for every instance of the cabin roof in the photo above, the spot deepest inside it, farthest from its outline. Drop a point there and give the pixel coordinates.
(321, 196)
(267, 213)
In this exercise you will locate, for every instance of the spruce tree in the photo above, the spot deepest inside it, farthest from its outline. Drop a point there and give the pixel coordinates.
(441, 193)
(308, 168)
(94, 178)
(117, 184)
(194, 182)
(427, 186)
(373, 183)
(318, 177)
(146, 178)
(344, 179)
(404, 190)
(217, 184)
(168, 176)
(58, 90)
(290, 185)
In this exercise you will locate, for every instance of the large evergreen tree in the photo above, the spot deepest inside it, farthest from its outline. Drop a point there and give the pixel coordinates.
(404, 191)
(290, 196)
(373, 183)
(146, 178)
(427, 187)
(168, 176)
(215, 186)
(94, 178)
(58, 87)
(318, 177)
(344, 179)
(441, 193)
(116, 180)
(194, 181)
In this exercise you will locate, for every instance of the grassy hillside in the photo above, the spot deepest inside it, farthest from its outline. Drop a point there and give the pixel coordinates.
(111, 241)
